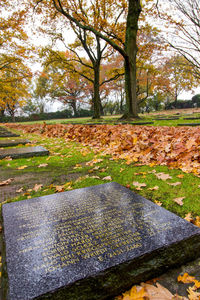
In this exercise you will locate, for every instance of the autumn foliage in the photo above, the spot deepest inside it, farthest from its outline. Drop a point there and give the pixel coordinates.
(142, 145)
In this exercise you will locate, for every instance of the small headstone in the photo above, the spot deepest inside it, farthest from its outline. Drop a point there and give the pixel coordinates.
(166, 119)
(133, 123)
(191, 118)
(23, 152)
(189, 124)
(91, 243)
(6, 133)
(11, 142)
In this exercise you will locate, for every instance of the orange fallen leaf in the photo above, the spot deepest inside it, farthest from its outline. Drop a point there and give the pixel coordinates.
(197, 221)
(179, 200)
(6, 182)
(186, 278)
(180, 175)
(59, 188)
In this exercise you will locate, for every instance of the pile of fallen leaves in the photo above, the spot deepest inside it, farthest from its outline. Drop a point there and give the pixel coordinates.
(146, 291)
(175, 147)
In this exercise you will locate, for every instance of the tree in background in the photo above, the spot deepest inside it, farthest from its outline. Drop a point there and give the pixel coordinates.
(185, 37)
(114, 22)
(14, 86)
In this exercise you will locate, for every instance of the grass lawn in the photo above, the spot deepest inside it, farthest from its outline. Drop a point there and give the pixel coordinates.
(71, 165)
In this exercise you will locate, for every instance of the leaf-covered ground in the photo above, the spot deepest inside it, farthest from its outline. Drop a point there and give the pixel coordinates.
(144, 145)
(103, 156)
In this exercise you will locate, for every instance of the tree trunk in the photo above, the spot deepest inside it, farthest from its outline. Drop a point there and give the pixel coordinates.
(134, 10)
(96, 98)
(73, 105)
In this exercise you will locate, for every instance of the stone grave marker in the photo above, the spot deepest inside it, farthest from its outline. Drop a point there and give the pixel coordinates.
(189, 124)
(91, 243)
(6, 133)
(23, 152)
(12, 142)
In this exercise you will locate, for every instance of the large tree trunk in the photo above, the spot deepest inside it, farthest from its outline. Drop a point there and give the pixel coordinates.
(134, 10)
(73, 105)
(96, 98)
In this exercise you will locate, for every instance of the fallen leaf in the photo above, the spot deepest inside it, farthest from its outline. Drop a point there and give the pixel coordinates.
(179, 200)
(59, 188)
(197, 221)
(6, 182)
(8, 158)
(180, 175)
(158, 203)
(188, 217)
(157, 292)
(192, 294)
(22, 168)
(42, 165)
(185, 278)
(20, 190)
(155, 188)
(37, 187)
(107, 178)
(139, 185)
(174, 183)
(163, 176)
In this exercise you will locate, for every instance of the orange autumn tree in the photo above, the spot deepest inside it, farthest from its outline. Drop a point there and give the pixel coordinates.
(14, 75)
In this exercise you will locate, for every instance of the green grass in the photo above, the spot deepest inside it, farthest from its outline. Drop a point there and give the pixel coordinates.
(110, 119)
(72, 159)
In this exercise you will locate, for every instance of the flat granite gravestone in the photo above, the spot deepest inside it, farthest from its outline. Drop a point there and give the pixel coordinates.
(189, 124)
(91, 243)
(9, 143)
(6, 133)
(23, 152)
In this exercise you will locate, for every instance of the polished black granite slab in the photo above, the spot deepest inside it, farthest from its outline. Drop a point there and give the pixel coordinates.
(91, 243)
(23, 152)
(12, 142)
(4, 132)
(189, 124)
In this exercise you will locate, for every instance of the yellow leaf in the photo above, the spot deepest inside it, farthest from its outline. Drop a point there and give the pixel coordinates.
(134, 140)
(22, 168)
(188, 217)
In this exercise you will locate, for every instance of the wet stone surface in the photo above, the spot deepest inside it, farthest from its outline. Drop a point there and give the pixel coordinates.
(23, 152)
(91, 243)
(6, 133)
(12, 142)
(189, 124)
